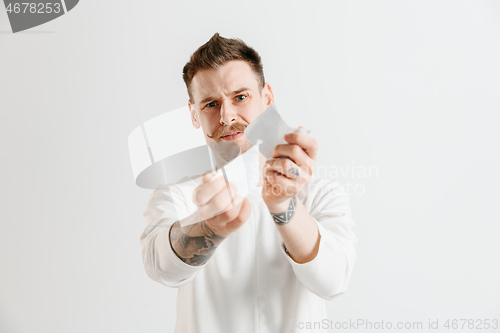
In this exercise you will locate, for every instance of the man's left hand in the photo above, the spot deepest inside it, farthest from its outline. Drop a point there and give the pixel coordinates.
(289, 170)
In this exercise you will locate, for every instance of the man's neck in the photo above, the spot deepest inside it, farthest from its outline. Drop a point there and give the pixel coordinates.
(220, 162)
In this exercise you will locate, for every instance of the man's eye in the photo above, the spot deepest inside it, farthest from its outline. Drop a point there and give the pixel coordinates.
(211, 105)
(240, 97)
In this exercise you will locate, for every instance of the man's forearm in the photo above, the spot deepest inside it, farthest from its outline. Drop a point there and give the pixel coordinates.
(194, 244)
(298, 230)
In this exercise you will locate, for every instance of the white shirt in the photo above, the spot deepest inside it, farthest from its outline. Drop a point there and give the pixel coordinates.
(251, 284)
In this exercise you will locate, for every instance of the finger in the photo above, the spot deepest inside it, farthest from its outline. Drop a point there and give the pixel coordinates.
(232, 191)
(279, 179)
(295, 153)
(206, 178)
(243, 213)
(282, 165)
(206, 191)
(228, 214)
(282, 186)
(220, 202)
(308, 144)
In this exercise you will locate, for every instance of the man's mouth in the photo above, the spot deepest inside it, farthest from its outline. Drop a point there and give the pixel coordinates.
(233, 135)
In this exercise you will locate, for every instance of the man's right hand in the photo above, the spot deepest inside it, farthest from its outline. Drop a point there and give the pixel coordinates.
(196, 243)
(221, 213)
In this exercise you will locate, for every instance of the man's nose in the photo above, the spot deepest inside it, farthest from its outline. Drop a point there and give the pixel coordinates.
(228, 114)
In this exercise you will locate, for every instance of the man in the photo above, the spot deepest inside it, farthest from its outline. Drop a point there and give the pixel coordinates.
(269, 263)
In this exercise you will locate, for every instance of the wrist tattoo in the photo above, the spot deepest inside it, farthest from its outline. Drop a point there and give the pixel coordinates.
(195, 243)
(286, 216)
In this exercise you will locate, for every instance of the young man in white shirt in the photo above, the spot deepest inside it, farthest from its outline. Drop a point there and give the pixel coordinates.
(269, 263)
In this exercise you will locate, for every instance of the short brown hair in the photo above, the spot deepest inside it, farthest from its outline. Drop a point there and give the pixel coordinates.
(217, 52)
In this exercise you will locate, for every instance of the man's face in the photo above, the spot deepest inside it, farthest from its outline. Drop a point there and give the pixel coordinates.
(226, 100)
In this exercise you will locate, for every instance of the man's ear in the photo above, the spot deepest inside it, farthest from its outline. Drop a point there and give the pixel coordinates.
(194, 116)
(267, 95)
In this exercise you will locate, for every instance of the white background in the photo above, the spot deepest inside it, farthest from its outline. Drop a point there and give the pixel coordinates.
(408, 87)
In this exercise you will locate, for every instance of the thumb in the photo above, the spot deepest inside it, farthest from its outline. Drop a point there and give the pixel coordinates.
(206, 177)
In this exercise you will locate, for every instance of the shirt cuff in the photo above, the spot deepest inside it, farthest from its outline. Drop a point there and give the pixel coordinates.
(323, 267)
(321, 230)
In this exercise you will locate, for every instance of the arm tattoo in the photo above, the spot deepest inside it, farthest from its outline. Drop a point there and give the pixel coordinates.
(194, 244)
(287, 215)
(294, 170)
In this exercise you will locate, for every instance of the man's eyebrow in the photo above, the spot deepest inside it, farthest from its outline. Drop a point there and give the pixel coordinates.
(209, 99)
(237, 91)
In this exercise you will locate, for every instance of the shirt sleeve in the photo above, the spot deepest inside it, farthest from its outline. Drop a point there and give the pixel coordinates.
(159, 259)
(328, 274)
